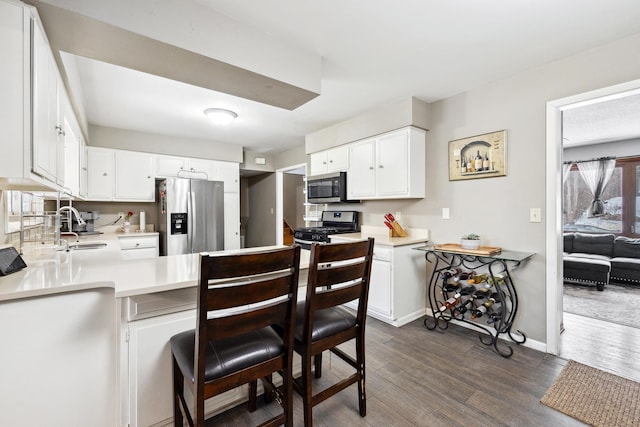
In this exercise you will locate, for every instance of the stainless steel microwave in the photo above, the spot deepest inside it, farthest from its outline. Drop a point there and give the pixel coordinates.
(328, 188)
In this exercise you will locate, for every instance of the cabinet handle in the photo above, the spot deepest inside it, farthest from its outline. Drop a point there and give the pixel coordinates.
(137, 244)
(330, 161)
(104, 174)
(148, 176)
(380, 166)
(370, 167)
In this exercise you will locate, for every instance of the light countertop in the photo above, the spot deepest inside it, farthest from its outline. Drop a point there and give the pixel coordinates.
(381, 236)
(52, 272)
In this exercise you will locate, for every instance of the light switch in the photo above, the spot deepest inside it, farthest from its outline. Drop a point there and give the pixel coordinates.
(535, 215)
(445, 213)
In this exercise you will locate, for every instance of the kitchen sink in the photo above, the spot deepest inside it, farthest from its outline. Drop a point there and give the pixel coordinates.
(76, 246)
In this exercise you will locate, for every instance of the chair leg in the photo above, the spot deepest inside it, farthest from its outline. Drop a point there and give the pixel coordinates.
(362, 396)
(317, 365)
(306, 390)
(268, 394)
(178, 385)
(253, 392)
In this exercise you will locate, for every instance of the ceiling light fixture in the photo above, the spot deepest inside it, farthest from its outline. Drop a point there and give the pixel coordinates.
(220, 116)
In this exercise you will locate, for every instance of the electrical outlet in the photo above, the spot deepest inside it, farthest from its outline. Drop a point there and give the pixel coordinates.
(445, 213)
(535, 215)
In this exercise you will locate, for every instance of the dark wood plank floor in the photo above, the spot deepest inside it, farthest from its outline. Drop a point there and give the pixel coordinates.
(417, 377)
(604, 345)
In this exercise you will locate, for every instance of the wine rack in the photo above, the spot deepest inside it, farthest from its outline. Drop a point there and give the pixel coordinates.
(477, 290)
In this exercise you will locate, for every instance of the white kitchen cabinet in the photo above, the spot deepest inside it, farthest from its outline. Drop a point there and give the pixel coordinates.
(231, 221)
(388, 166)
(331, 160)
(134, 180)
(47, 119)
(147, 380)
(136, 246)
(229, 173)
(183, 167)
(100, 173)
(398, 290)
(83, 169)
(119, 175)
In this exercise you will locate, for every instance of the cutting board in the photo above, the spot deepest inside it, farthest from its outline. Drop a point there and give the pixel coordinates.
(482, 250)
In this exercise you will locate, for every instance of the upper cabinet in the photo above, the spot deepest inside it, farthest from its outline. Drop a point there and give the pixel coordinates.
(331, 160)
(134, 178)
(388, 166)
(212, 170)
(118, 175)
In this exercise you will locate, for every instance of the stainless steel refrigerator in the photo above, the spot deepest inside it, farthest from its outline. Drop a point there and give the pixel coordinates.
(190, 215)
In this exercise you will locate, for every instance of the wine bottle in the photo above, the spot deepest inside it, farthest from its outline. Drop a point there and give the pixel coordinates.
(478, 162)
(478, 278)
(465, 302)
(465, 275)
(485, 162)
(468, 290)
(450, 303)
(448, 274)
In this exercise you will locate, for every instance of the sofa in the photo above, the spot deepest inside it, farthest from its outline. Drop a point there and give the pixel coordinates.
(600, 259)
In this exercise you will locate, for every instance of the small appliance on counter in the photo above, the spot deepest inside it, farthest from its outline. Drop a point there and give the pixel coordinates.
(333, 222)
(89, 227)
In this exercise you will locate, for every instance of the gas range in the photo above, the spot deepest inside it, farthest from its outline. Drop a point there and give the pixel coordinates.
(333, 222)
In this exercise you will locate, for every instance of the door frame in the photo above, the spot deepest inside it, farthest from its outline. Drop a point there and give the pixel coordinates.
(553, 211)
(280, 198)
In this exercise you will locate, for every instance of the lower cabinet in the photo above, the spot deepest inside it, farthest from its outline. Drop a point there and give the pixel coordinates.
(139, 246)
(398, 290)
(147, 323)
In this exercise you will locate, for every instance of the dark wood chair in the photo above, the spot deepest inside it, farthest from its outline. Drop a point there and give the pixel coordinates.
(239, 298)
(338, 273)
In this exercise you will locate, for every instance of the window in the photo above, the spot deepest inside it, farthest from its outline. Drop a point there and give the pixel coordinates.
(621, 199)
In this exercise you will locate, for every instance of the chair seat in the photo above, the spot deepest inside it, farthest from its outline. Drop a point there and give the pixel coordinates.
(325, 322)
(227, 356)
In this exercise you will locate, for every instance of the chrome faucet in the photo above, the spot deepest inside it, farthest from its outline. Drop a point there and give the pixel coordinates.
(81, 221)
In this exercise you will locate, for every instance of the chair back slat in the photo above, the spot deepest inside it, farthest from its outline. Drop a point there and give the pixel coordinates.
(241, 323)
(337, 296)
(338, 273)
(245, 264)
(232, 294)
(342, 273)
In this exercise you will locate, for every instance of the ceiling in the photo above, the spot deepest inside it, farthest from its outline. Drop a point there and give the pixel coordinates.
(353, 54)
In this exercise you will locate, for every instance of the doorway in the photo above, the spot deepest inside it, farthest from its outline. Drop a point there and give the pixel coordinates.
(554, 224)
(290, 198)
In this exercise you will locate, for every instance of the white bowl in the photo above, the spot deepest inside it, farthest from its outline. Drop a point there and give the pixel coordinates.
(469, 244)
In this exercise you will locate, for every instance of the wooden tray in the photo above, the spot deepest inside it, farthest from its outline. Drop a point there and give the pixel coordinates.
(482, 250)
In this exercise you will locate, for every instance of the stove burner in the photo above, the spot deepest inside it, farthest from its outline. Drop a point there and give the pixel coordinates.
(333, 222)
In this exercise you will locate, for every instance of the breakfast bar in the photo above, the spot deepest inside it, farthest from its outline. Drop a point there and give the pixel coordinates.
(108, 321)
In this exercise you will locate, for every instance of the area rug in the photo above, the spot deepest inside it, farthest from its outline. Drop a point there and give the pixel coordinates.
(617, 304)
(595, 397)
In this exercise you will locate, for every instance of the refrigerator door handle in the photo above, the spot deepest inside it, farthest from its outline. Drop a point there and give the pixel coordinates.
(191, 224)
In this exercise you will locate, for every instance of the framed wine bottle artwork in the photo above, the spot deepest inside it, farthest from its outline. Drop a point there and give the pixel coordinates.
(480, 156)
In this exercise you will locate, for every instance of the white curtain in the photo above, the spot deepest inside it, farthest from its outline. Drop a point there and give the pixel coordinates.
(597, 174)
(565, 171)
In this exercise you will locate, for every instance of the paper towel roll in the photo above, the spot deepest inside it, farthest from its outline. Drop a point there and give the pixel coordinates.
(143, 222)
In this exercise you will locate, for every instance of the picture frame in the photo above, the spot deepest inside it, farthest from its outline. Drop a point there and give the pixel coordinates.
(479, 156)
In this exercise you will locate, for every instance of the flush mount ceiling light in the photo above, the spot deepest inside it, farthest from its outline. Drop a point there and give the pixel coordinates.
(220, 116)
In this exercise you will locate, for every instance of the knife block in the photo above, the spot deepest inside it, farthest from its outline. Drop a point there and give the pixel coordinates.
(397, 230)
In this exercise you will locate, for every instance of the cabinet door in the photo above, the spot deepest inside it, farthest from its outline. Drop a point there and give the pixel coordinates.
(361, 177)
(45, 108)
(167, 166)
(200, 169)
(100, 173)
(231, 221)
(338, 159)
(150, 366)
(134, 176)
(318, 163)
(84, 169)
(380, 288)
(392, 171)
(229, 173)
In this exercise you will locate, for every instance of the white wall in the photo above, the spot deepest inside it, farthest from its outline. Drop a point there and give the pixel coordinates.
(498, 208)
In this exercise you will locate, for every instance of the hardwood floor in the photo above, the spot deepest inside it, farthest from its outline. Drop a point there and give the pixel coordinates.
(417, 377)
(608, 346)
